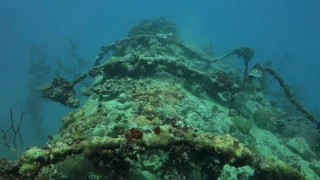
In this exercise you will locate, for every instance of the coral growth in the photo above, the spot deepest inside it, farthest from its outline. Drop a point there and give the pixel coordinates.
(244, 125)
(154, 112)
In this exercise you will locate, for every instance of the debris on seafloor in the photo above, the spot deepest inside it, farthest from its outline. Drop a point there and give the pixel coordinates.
(159, 109)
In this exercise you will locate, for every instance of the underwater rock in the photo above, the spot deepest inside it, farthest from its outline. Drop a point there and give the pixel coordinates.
(301, 127)
(300, 146)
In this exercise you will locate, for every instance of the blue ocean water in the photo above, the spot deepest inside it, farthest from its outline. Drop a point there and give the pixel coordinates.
(272, 28)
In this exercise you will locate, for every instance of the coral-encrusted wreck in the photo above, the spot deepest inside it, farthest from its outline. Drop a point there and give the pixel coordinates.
(159, 109)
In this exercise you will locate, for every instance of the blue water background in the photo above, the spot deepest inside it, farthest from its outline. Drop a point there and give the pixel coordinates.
(272, 28)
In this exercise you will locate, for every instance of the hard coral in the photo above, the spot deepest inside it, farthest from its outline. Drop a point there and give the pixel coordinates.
(149, 111)
(263, 118)
(153, 27)
(72, 117)
(267, 168)
(244, 125)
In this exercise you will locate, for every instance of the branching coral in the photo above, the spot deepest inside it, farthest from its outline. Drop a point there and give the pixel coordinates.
(15, 129)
